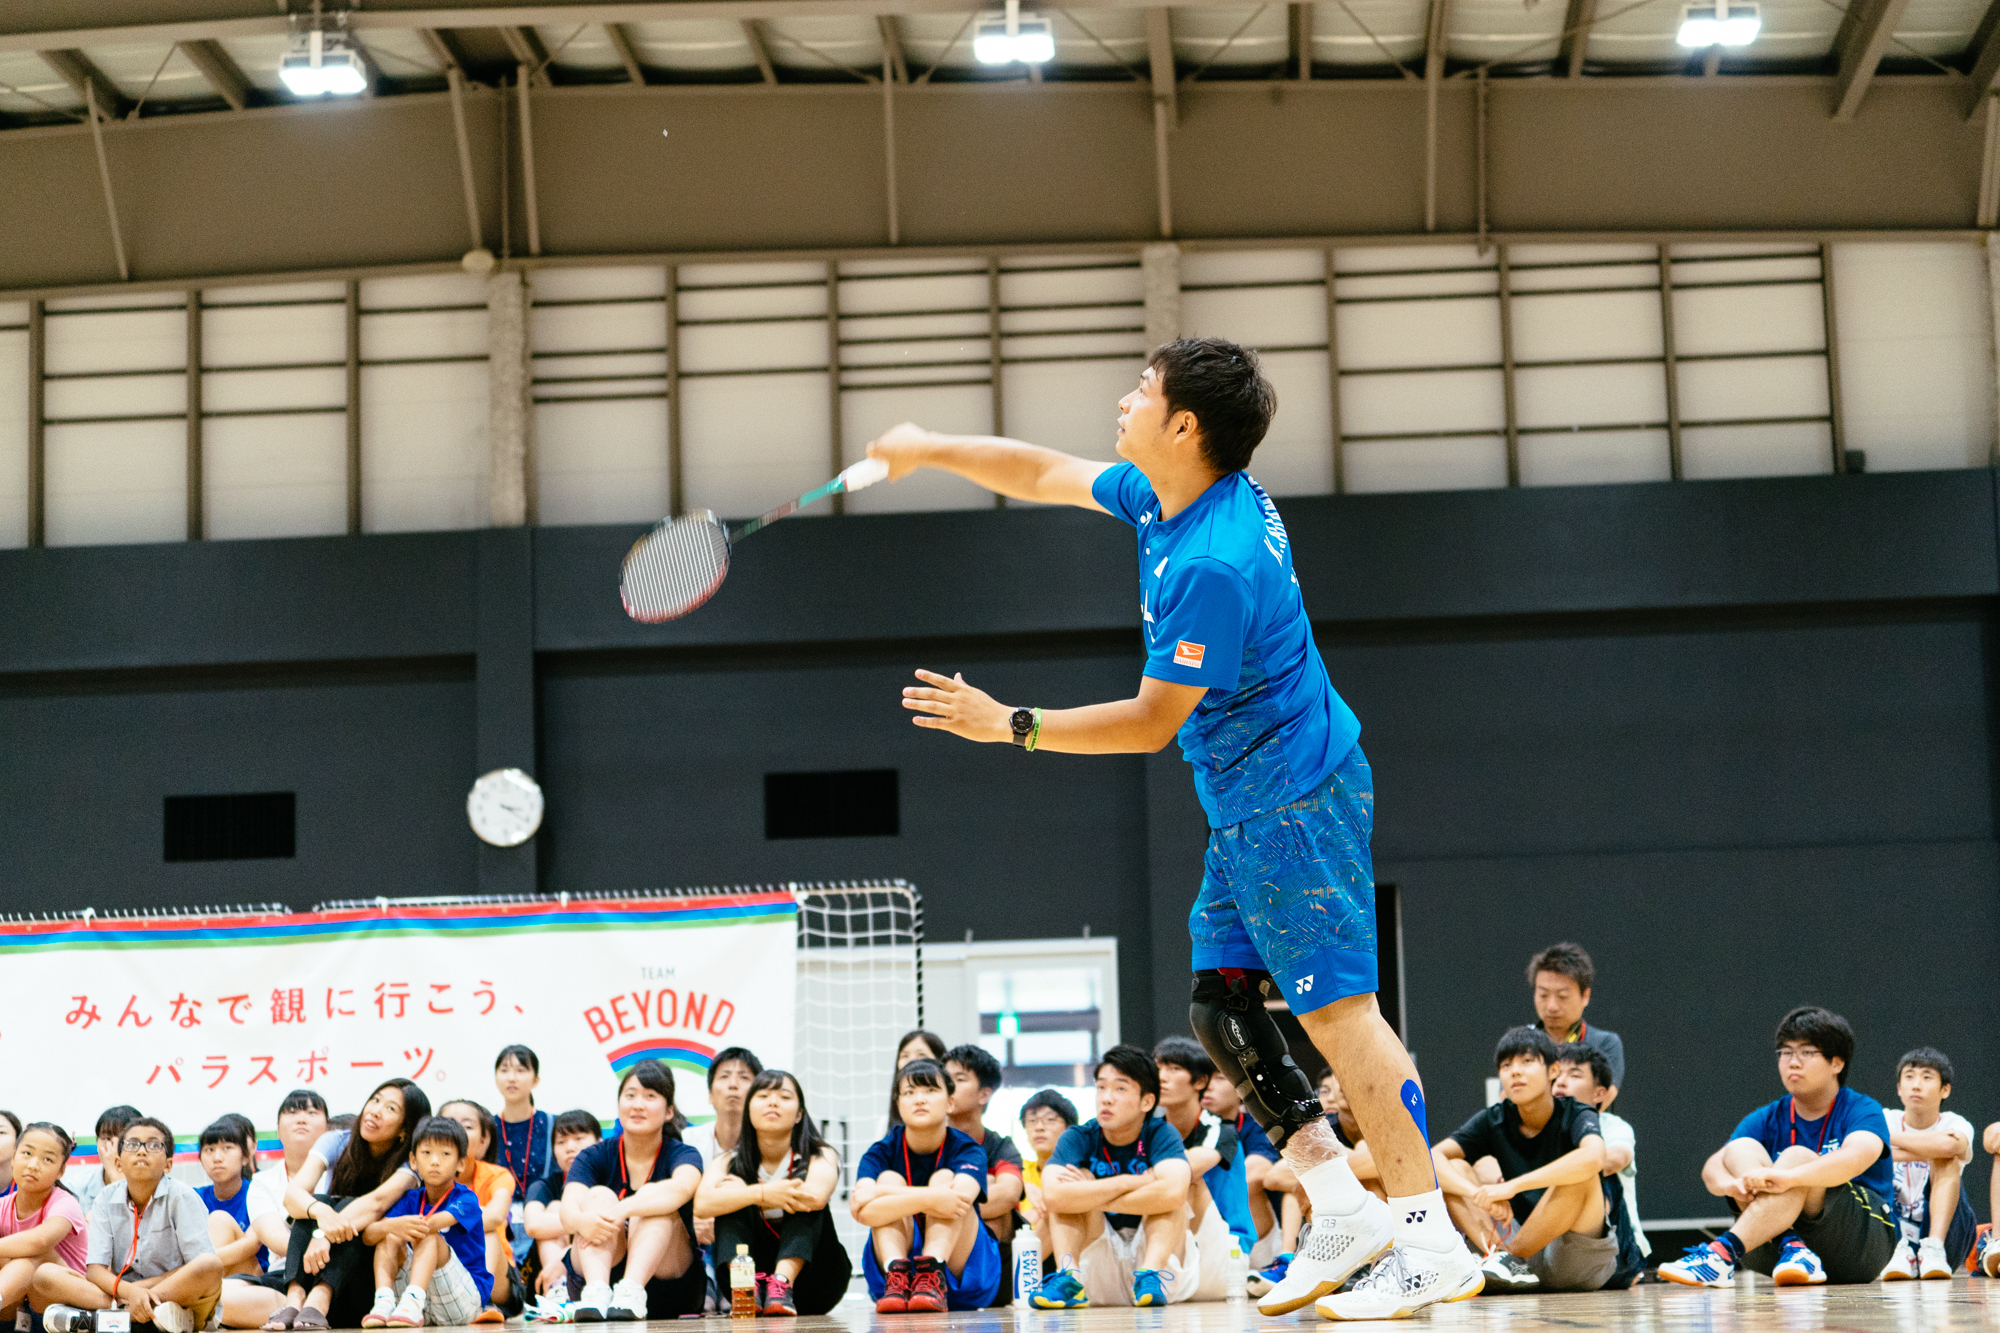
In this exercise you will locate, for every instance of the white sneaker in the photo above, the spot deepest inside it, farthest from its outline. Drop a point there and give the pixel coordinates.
(1337, 1246)
(628, 1302)
(384, 1306)
(1704, 1265)
(1989, 1256)
(1504, 1271)
(1931, 1262)
(171, 1318)
(1404, 1281)
(1798, 1265)
(1902, 1265)
(592, 1304)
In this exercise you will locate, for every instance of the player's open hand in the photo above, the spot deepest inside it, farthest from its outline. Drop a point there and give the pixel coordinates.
(954, 706)
(898, 447)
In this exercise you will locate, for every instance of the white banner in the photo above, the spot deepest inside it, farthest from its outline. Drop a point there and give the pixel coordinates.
(187, 1018)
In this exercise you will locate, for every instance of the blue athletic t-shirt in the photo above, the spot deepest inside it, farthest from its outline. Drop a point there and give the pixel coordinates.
(466, 1235)
(237, 1206)
(1778, 1127)
(1084, 1146)
(958, 1154)
(1221, 607)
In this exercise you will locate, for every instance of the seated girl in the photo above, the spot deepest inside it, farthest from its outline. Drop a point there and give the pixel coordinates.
(229, 1159)
(480, 1171)
(629, 1202)
(41, 1222)
(770, 1193)
(569, 1134)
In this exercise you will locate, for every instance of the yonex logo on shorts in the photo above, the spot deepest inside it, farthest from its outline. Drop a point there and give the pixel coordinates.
(1304, 983)
(1188, 654)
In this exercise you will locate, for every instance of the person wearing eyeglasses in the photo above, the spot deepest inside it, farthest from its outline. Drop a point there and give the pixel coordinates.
(148, 1245)
(1809, 1175)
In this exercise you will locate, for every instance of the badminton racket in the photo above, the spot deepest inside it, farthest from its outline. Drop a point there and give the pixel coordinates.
(679, 564)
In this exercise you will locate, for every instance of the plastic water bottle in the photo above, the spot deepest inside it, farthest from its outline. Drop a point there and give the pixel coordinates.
(742, 1285)
(1027, 1268)
(1236, 1284)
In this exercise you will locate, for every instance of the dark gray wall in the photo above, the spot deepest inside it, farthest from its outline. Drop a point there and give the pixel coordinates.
(1735, 737)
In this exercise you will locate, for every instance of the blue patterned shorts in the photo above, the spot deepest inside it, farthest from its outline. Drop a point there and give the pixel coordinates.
(1292, 892)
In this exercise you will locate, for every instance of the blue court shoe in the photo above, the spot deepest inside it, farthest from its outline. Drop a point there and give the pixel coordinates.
(1064, 1291)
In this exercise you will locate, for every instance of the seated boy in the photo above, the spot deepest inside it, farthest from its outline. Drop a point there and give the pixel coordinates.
(975, 1076)
(1218, 1190)
(1807, 1175)
(430, 1247)
(148, 1244)
(90, 1180)
(917, 1190)
(228, 1153)
(1044, 1118)
(569, 1134)
(1223, 1102)
(1930, 1147)
(1584, 1074)
(1117, 1194)
(1549, 1204)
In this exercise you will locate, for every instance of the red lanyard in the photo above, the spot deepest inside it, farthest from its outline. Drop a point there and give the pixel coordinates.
(1792, 1109)
(12, 1198)
(909, 1172)
(1140, 1144)
(527, 1152)
(624, 1180)
(132, 1258)
(424, 1213)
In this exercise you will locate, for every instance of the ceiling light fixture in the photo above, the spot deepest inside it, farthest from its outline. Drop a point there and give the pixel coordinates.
(1003, 38)
(1719, 24)
(323, 62)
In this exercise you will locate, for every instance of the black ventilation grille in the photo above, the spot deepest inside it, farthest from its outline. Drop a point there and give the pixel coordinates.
(245, 826)
(858, 803)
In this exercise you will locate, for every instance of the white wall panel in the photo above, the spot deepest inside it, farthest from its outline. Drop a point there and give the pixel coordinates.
(1257, 316)
(425, 464)
(753, 440)
(267, 390)
(1793, 386)
(1441, 401)
(1052, 281)
(335, 292)
(1916, 354)
(274, 476)
(153, 339)
(413, 317)
(1620, 259)
(1425, 465)
(1589, 395)
(1419, 333)
(1571, 326)
(737, 347)
(272, 335)
(120, 395)
(13, 425)
(864, 292)
(1748, 319)
(601, 462)
(1204, 266)
(116, 482)
(585, 328)
(959, 409)
(1296, 457)
(598, 284)
(1590, 458)
(1069, 405)
(1755, 451)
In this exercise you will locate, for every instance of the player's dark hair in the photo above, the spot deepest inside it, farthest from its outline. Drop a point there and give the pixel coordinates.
(442, 1129)
(1565, 960)
(932, 1043)
(521, 1056)
(111, 1125)
(148, 1122)
(14, 1122)
(575, 1122)
(236, 1129)
(656, 1077)
(1224, 386)
(345, 1120)
(362, 1168)
(54, 1131)
(1048, 1099)
(1926, 1057)
(488, 1125)
(302, 1099)
(1821, 1028)
(1186, 1053)
(1584, 1054)
(977, 1061)
(806, 1142)
(742, 1055)
(1524, 1041)
(1134, 1064)
(917, 1073)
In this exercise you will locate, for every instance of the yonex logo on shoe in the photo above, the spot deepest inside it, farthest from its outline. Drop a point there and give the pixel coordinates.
(1304, 983)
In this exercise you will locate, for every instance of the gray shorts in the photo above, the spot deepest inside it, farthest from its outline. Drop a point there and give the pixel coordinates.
(1576, 1263)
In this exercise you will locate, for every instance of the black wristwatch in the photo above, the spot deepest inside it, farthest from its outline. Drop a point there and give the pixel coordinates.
(1023, 724)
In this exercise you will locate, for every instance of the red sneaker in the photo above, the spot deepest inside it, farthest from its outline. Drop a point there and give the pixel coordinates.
(895, 1288)
(777, 1297)
(927, 1287)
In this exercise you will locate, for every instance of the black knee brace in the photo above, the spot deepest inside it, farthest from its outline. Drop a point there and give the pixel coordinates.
(1229, 1017)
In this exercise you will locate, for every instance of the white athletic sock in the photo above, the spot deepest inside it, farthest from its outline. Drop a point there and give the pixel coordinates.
(1421, 1220)
(1332, 1188)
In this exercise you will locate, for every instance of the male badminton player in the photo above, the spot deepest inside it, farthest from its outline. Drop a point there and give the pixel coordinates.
(1287, 902)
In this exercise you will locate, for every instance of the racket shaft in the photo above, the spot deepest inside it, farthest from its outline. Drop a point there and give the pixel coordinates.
(788, 508)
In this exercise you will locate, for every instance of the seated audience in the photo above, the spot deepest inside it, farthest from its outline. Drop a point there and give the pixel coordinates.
(147, 1244)
(249, 1300)
(479, 1170)
(975, 1077)
(1218, 1196)
(1808, 1175)
(1929, 1147)
(1223, 1102)
(87, 1182)
(1543, 1225)
(522, 1135)
(10, 1135)
(918, 1190)
(41, 1222)
(366, 1169)
(1044, 1117)
(1584, 1075)
(770, 1192)
(1117, 1195)
(1288, 1199)
(1989, 1247)
(569, 1134)
(629, 1203)
(1561, 976)
(228, 1155)
(734, 1069)
(432, 1245)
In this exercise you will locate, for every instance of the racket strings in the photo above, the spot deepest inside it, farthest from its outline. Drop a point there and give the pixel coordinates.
(675, 568)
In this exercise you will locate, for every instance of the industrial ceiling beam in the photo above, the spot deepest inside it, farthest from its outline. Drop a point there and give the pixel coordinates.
(1864, 35)
(1434, 50)
(628, 55)
(220, 71)
(527, 48)
(89, 82)
(1582, 17)
(442, 50)
(892, 46)
(1985, 53)
(1160, 54)
(760, 51)
(1302, 40)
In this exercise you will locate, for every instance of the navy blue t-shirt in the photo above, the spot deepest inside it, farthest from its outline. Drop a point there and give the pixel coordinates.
(466, 1235)
(1084, 1146)
(1221, 607)
(603, 1163)
(957, 1154)
(1778, 1127)
(1256, 1143)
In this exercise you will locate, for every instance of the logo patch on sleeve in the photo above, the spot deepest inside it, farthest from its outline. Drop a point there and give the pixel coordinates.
(1188, 654)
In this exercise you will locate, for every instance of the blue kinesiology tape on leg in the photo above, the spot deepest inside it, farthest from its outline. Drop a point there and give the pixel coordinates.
(1413, 1102)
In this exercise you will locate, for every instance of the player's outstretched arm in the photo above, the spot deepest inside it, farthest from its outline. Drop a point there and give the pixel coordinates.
(1140, 725)
(1006, 467)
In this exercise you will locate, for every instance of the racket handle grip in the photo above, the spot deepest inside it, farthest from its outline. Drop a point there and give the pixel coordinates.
(864, 474)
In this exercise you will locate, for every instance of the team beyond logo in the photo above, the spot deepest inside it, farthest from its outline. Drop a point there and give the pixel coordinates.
(1188, 654)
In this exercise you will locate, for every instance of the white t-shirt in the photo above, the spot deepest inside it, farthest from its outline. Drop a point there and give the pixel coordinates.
(1617, 1133)
(1913, 1179)
(701, 1138)
(267, 1191)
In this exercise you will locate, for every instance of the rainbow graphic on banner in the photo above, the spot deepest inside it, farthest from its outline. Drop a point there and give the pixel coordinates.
(689, 1055)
